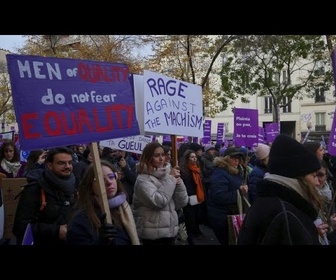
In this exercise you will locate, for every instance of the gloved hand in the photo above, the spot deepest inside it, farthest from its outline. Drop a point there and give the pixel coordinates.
(107, 231)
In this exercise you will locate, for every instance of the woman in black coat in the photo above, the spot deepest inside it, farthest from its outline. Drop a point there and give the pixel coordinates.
(287, 202)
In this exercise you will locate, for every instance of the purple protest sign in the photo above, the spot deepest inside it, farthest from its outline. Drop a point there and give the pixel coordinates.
(271, 131)
(333, 62)
(166, 138)
(332, 138)
(245, 127)
(28, 236)
(206, 132)
(220, 133)
(60, 101)
(261, 135)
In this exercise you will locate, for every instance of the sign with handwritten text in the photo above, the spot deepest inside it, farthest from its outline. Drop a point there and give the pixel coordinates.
(6, 136)
(172, 106)
(61, 101)
(132, 144)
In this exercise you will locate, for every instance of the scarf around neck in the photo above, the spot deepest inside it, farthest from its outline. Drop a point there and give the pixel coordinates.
(196, 173)
(290, 183)
(116, 201)
(66, 185)
(11, 167)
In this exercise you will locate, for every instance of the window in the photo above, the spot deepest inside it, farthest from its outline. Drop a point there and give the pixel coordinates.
(320, 121)
(226, 127)
(319, 70)
(268, 105)
(319, 95)
(284, 77)
(288, 107)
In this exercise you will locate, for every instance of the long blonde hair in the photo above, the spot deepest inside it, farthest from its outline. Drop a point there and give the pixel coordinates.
(313, 194)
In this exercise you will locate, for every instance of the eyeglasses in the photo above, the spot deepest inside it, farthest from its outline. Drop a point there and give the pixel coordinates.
(320, 174)
(111, 176)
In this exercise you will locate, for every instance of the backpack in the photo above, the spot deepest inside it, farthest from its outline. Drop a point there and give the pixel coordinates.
(43, 196)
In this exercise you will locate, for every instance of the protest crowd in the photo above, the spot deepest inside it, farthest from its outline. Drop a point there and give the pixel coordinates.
(96, 172)
(290, 187)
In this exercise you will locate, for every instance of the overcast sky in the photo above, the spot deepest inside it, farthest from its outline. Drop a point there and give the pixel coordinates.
(11, 42)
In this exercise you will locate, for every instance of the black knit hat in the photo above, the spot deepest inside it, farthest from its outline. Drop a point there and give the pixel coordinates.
(290, 158)
(195, 147)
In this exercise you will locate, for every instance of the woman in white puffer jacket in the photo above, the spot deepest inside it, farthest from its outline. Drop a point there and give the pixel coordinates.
(157, 195)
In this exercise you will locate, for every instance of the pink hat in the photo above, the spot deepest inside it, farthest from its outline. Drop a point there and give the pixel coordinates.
(261, 151)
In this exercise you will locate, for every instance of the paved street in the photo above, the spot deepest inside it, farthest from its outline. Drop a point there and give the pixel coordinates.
(209, 237)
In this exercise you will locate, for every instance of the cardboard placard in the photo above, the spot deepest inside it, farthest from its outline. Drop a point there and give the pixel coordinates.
(11, 187)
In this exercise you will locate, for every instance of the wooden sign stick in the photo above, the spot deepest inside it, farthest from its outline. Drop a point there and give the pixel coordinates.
(102, 197)
(174, 150)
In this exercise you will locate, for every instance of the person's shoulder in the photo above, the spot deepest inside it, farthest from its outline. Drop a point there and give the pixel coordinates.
(31, 186)
(29, 189)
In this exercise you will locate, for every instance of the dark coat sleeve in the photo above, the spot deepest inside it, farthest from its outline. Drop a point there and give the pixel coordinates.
(46, 223)
(81, 231)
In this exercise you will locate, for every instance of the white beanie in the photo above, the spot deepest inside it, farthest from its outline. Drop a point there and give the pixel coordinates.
(208, 147)
(261, 151)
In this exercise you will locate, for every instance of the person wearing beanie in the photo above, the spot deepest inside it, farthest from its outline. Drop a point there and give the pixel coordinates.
(207, 159)
(196, 148)
(222, 196)
(261, 153)
(316, 148)
(287, 202)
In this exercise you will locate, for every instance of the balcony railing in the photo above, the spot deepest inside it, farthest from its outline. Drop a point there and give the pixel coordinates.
(320, 127)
